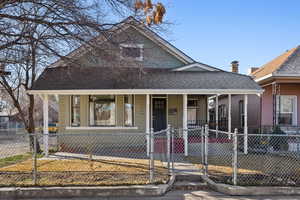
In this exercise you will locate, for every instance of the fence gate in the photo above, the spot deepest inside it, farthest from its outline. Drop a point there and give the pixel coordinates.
(194, 153)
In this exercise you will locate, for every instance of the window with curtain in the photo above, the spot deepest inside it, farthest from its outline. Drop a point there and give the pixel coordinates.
(286, 110)
(129, 110)
(75, 110)
(102, 110)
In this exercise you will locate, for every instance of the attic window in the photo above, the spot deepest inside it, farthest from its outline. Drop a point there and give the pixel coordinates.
(132, 51)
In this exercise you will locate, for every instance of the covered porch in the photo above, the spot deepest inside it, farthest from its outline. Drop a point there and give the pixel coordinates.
(141, 112)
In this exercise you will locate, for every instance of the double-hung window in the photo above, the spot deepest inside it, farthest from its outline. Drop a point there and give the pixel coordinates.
(75, 110)
(129, 110)
(102, 110)
(286, 110)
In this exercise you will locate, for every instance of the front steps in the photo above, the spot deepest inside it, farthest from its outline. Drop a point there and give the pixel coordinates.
(189, 182)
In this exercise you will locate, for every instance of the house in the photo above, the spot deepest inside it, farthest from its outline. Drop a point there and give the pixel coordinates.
(280, 79)
(237, 110)
(8, 115)
(138, 82)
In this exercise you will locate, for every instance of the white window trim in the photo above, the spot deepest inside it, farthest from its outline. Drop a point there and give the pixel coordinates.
(295, 111)
(140, 46)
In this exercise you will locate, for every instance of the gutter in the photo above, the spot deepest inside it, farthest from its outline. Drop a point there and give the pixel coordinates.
(145, 91)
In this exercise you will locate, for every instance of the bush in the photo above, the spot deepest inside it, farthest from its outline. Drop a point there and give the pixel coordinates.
(278, 142)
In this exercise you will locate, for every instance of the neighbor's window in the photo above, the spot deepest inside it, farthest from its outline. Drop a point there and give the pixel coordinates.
(241, 113)
(222, 112)
(102, 110)
(132, 51)
(193, 109)
(286, 110)
(129, 110)
(75, 110)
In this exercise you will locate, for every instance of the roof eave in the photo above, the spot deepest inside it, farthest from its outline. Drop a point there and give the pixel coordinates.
(144, 91)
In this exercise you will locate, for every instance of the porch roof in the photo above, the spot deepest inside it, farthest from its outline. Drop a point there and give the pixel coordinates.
(141, 79)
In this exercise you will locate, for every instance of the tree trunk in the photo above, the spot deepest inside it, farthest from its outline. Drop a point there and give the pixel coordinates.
(31, 125)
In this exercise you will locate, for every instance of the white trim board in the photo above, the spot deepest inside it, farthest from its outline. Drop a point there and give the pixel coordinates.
(146, 91)
(273, 75)
(198, 65)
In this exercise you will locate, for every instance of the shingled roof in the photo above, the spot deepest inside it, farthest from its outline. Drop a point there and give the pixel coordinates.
(286, 63)
(101, 78)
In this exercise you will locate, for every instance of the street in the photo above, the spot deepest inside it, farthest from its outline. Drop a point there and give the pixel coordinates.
(13, 145)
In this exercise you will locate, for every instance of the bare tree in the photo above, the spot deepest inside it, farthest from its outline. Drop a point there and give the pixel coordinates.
(35, 33)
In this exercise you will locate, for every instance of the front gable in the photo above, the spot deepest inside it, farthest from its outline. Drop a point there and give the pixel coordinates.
(154, 55)
(291, 66)
(157, 52)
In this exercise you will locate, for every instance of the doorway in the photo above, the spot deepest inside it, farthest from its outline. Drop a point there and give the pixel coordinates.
(159, 114)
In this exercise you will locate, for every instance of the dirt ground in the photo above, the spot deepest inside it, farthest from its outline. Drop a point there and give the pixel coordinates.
(82, 172)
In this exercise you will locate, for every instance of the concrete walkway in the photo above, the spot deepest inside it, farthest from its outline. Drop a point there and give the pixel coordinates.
(193, 195)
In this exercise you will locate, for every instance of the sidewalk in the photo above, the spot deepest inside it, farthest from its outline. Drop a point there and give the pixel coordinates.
(193, 195)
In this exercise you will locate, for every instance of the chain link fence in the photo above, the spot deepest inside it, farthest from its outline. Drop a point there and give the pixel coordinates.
(272, 160)
(141, 158)
(85, 159)
(219, 152)
(266, 159)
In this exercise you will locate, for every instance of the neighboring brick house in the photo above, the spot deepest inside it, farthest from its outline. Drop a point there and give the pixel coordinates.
(140, 82)
(280, 79)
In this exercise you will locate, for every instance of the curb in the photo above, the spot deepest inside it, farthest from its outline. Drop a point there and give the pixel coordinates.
(250, 190)
(95, 191)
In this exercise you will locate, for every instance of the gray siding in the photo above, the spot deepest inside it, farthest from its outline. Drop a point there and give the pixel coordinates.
(153, 55)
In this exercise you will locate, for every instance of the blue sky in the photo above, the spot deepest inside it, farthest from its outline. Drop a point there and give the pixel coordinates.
(216, 32)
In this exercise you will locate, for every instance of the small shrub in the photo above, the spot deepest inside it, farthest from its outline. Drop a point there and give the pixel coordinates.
(279, 143)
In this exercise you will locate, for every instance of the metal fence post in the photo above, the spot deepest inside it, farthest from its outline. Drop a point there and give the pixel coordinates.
(206, 150)
(202, 147)
(169, 147)
(151, 156)
(173, 144)
(235, 156)
(34, 155)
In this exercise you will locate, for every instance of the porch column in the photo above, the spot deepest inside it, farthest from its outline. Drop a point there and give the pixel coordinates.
(45, 124)
(184, 125)
(217, 114)
(148, 122)
(246, 124)
(207, 104)
(229, 113)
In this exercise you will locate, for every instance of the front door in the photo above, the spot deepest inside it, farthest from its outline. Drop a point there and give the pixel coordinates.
(159, 115)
